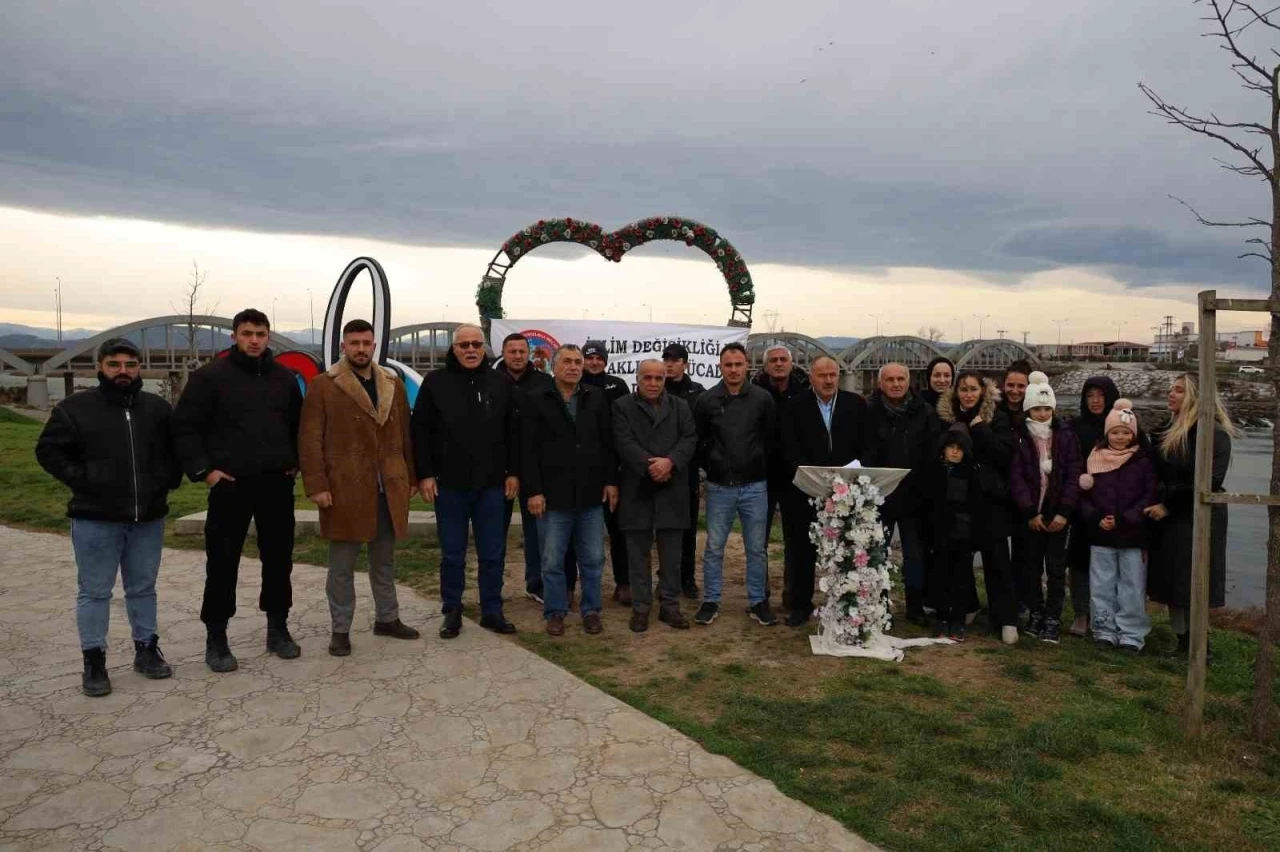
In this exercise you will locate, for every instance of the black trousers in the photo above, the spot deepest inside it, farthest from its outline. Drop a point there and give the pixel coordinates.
(780, 503)
(689, 539)
(1020, 557)
(617, 549)
(1078, 558)
(797, 514)
(998, 577)
(1046, 557)
(952, 580)
(639, 544)
(267, 500)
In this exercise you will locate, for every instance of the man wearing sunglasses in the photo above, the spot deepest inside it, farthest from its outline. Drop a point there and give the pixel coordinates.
(111, 446)
(465, 449)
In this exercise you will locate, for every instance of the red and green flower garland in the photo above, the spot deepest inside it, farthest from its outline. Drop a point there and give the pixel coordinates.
(612, 246)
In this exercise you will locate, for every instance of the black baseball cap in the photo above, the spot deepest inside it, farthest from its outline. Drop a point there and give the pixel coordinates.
(118, 346)
(595, 347)
(675, 350)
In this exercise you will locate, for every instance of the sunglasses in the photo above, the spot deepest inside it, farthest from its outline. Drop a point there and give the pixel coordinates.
(469, 344)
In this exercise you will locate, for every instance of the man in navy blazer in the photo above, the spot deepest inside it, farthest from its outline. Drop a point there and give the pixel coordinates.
(822, 427)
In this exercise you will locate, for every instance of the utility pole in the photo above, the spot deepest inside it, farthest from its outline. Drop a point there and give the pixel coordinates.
(312, 303)
(1060, 323)
(273, 311)
(1024, 337)
(57, 305)
(1001, 331)
(1120, 324)
(961, 321)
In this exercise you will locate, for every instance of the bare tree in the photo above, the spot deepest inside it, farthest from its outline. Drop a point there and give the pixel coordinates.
(933, 334)
(190, 299)
(1255, 154)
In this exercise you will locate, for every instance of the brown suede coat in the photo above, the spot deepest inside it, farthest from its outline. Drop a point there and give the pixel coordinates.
(344, 444)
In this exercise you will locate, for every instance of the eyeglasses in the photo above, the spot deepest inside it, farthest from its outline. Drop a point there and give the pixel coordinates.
(127, 365)
(469, 344)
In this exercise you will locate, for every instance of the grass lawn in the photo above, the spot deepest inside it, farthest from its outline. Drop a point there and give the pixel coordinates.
(973, 747)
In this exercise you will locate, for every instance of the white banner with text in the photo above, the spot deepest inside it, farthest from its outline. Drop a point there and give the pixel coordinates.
(628, 343)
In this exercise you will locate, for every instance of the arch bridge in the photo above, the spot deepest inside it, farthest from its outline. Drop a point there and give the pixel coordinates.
(167, 343)
(804, 349)
(422, 346)
(990, 355)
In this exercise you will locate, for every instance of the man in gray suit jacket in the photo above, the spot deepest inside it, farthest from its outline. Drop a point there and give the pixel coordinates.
(655, 441)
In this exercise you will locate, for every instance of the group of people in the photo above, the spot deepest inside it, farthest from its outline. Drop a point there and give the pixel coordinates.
(583, 456)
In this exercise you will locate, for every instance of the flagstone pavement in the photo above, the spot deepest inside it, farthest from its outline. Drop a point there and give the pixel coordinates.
(472, 744)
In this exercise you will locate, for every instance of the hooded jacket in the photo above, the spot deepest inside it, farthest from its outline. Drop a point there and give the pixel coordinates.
(239, 415)
(894, 439)
(988, 447)
(929, 395)
(466, 430)
(963, 503)
(1063, 492)
(1087, 427)
(797, 383)
(112, 448)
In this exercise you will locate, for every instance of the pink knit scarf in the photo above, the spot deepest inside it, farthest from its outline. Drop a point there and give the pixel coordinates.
(1105, 459)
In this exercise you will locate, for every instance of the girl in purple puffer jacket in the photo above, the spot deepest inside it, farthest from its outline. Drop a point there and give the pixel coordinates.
(1118, 483)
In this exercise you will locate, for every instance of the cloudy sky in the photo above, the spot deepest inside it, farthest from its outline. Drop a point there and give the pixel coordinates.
(918, 163)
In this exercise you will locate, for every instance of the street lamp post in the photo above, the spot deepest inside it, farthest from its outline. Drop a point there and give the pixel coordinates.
(57, 305)
(273, 310)
(961, 321)
(650, 307)
(311, 302)
(980, 318)
(876, 317)
(1060, 323)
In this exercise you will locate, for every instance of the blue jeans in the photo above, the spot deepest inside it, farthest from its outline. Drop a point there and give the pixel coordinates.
(750, 504)
(483, 509)
(585, 528)
(102, 547)
(1118, 595)
(532, 549)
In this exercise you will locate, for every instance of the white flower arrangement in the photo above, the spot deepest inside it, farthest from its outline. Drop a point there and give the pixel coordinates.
(854, 569)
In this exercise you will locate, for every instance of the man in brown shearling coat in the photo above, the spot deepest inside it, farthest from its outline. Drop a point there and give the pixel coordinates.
(357, 465)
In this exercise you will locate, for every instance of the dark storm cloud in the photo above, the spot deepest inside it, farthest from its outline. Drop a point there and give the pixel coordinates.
(1004, 145)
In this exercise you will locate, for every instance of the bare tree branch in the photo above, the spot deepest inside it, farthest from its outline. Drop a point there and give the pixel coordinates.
(1228, 35)
(1251, 222)
(1205, 127)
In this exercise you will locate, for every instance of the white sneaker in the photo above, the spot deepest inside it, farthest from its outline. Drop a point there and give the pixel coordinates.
(1009, 634)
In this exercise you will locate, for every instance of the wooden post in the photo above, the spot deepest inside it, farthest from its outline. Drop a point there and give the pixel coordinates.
(1201, 536)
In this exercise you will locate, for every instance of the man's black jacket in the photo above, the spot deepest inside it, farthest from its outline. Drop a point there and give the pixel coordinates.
(239, 415)
(685, 388)
(567, 461)
(806, 441)
(903, 439)
(114, 450)
(466, 426)
(735, 434)
(797, 383)
(614, 388)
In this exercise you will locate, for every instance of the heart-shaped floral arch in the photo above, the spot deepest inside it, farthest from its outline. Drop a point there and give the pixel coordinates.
(612, 246)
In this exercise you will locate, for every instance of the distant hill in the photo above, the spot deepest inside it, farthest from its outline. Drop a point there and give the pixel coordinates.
(13, 335)
(838, 344)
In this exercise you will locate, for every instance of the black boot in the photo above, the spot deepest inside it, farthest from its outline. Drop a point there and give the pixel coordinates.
(279, 642)
(148, 661)
(1183, 649)
(95, 682)
(452, 624)
(340, 645)
(217, 653)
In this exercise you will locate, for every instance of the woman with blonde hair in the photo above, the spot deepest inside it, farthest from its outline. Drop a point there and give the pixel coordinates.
(1174, 448)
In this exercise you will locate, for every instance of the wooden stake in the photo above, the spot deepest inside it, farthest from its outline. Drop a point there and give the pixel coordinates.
(1201, 536)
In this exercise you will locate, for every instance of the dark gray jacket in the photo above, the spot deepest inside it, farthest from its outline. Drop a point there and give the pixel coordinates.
(642, 432)
(735, 434)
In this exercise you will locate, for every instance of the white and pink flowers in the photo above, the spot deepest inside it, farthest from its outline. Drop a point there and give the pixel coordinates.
(854, 569)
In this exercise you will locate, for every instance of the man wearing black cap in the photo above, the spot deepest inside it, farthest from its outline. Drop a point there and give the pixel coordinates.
(111, 446)
(597, 357)
(676, 359)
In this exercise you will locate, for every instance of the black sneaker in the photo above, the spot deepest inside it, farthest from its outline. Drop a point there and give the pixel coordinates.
(148, 661)
(707, 613)
(1035, 625)
(217, 653)
(763, 614)
(691, 592)
(94, 681)
(279, 642)
(452, 624)
(1052, 631)
(340, 645)
(396, 629)
(798, 617)
(1131, 650)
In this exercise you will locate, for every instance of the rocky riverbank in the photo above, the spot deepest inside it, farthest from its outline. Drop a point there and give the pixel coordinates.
(1250, 403)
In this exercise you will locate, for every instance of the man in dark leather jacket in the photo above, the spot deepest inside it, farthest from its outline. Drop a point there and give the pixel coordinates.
(112, 447)
(736, 430)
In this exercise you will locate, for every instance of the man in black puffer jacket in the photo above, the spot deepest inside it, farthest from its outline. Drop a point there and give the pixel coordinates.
(784, 381)
(466, 448)
(902, 431)
(596, 356)
(111, 446)
(236, 430)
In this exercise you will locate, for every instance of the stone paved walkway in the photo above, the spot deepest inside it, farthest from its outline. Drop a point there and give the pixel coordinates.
(474, 744)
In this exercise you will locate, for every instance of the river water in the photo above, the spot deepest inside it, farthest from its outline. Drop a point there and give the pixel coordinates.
(1247, 529)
